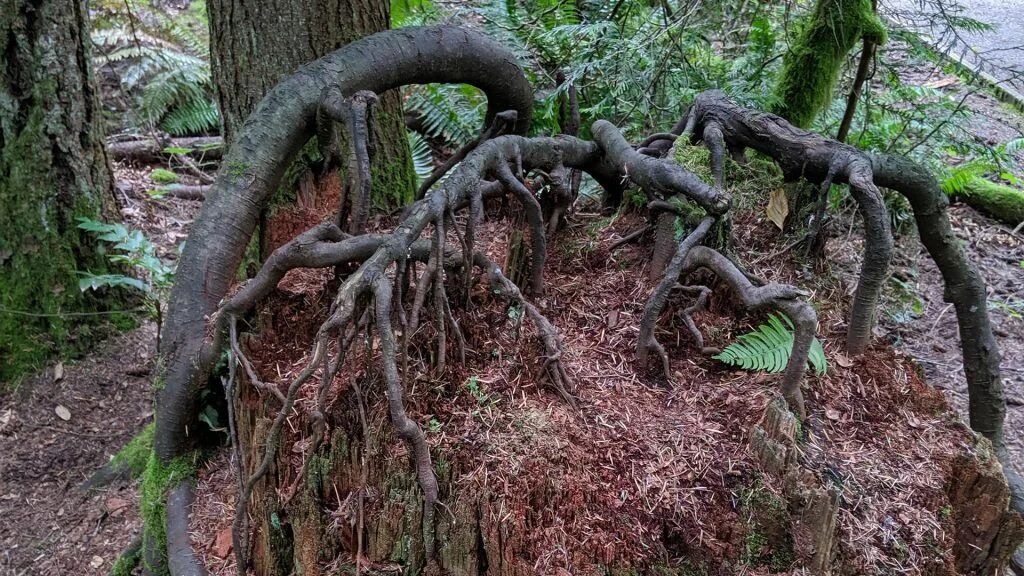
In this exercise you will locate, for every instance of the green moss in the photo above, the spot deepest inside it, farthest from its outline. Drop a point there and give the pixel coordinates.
(126, 563)
(163, 176)
(156, 481)
(41, 251)
(768, 541)
(811, 67)
(1001, 202)
(135, 454)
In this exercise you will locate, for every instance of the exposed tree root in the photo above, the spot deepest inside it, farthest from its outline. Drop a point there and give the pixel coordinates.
(802, 154)
(379, 291)
(181, 558)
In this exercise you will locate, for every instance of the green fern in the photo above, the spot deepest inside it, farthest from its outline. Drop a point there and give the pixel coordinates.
(768, 348)
(422, 159)
(160, 61)
(192, 117)
(451, 112)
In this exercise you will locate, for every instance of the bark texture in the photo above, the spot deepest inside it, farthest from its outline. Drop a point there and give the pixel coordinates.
(256, 45)
(53, 168)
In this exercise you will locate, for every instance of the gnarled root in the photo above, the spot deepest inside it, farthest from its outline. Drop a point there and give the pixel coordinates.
(803, 154)
(553, 366)
(690, 257)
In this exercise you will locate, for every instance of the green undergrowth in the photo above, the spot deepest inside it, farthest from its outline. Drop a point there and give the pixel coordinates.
(157, 479)
(747, 182)
(134, 456)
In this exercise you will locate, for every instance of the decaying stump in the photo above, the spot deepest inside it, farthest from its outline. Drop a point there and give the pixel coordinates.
(392, 286)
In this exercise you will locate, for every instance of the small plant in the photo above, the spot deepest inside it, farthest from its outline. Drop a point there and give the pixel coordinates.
(131, 249)
(163, 176)
(768, 348)
(473, 385)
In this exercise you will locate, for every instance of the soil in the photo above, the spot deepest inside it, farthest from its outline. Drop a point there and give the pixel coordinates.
(48, 525)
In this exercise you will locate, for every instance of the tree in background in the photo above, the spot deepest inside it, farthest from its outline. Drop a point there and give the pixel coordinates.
(53, 168)
(254, 46)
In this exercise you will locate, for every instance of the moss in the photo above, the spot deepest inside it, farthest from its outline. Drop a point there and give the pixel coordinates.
(768, 541)
(126, 563)
(163, 176)
(135, 454)
(157, 479)
(999, 201)
(811, 67)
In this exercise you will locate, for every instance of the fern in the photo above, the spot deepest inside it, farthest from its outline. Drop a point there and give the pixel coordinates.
(768, 348)
(453, 113)
(422, 159)
(192, 117)
(160, 61)
(960, 176)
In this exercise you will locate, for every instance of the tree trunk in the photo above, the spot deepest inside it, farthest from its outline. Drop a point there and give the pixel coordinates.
(254, 45)
(53, 168)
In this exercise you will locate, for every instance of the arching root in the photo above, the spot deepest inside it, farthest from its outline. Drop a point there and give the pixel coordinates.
(689, 257)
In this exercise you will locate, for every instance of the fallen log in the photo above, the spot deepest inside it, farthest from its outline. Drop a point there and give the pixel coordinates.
(154, 149)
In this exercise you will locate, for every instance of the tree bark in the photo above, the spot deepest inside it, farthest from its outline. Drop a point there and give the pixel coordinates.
(53, 168)
(255, 45)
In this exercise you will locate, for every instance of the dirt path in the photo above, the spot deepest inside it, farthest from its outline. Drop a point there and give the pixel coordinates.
(47, 525)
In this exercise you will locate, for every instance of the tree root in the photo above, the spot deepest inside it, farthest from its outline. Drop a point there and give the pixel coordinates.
(556, 373)
(181, 558)
(375, 292)
(689, 257)
(803, 154)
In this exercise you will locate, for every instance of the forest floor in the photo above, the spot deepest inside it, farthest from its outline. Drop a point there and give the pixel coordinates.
(49, 527)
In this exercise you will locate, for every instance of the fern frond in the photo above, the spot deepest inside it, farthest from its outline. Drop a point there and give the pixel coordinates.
(422, 159)
(768, 348)
(193, 117)
(959, 177)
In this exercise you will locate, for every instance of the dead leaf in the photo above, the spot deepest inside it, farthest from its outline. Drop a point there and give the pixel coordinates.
(613, 319)
(778, 207)
(58, 372)
(842, 360)
(832, 414)
(222, 545)
(96, 562)
(5, 418)
(114, 504)
(62, 412)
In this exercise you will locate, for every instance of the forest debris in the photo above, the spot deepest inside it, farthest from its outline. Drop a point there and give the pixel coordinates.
(778, 207)
(58, 372)
(62, 412)
(222, 544)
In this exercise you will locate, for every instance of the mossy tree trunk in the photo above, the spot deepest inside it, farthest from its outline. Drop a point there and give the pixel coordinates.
(254, 45)
(53, 168)
(811, 67)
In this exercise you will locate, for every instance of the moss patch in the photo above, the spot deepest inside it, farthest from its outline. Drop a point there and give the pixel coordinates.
(768, 541)
(811, 67)
(1001, 202)
(156, 481)
(135, 454)
(126, 563)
